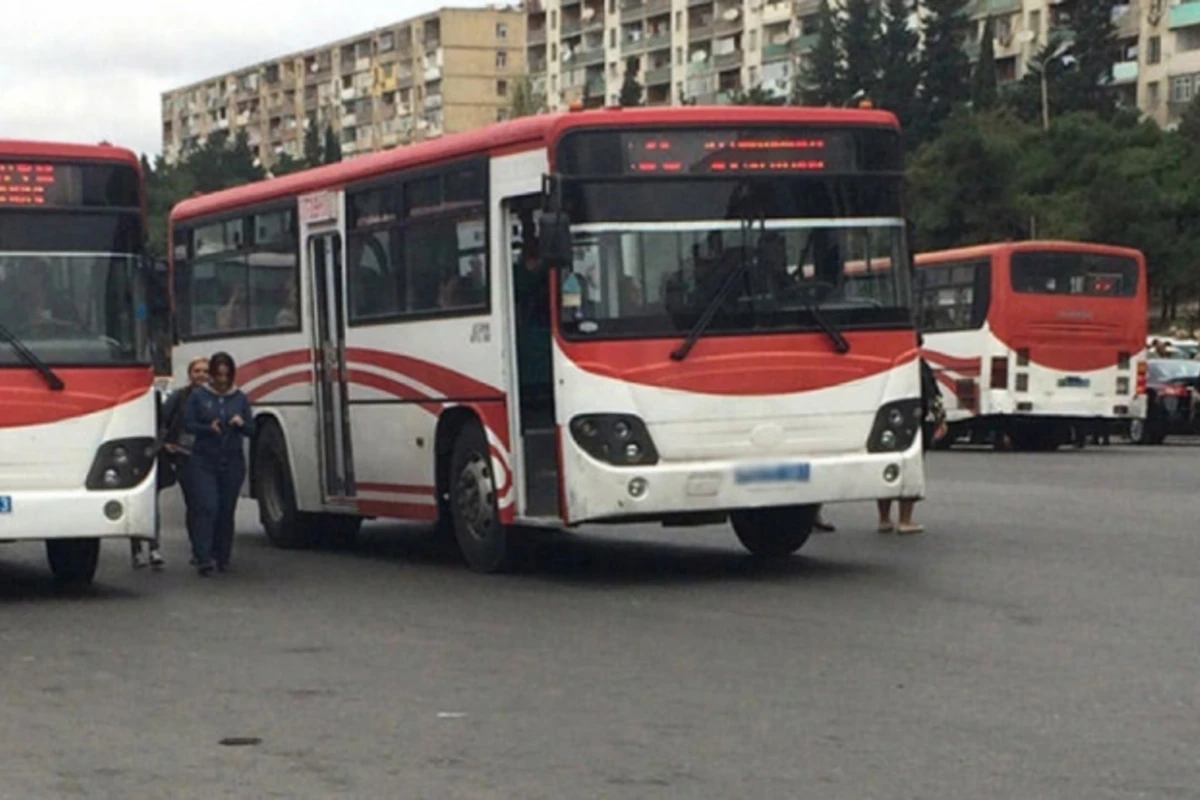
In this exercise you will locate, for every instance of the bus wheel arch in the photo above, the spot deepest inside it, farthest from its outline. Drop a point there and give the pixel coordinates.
(273, 485)
(262, 420)
(466, 487)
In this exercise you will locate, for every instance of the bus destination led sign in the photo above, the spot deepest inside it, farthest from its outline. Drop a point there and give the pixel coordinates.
(27, 184)
(664, 154)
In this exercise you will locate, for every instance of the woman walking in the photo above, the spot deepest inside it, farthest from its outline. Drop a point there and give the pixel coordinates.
(172, 465)
(219, 416)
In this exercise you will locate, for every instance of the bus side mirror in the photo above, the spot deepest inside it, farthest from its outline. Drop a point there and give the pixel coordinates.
(557, 249)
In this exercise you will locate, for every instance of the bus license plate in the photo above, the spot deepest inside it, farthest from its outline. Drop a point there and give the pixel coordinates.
(777, 473)
(5, 504)
(1074, 382)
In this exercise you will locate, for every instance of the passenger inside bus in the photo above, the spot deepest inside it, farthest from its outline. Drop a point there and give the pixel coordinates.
(233, 315)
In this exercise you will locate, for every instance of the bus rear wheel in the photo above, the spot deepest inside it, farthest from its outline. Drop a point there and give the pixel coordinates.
(776, 532)
(285, 525)
(73, 561)
(482, 538)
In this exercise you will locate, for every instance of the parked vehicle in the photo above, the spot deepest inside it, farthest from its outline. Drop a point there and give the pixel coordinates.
(1171, 407)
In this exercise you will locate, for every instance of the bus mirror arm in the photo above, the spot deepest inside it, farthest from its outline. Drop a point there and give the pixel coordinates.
(557, 250)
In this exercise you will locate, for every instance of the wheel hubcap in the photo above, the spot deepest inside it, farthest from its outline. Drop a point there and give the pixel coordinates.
(475, 497)
(1135, 430)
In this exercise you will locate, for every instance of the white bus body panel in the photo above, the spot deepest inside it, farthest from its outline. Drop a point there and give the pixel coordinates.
(44, 468)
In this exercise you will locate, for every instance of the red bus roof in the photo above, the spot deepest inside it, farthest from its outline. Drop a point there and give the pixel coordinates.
(995, 248)
(526, 133)
(58, 150)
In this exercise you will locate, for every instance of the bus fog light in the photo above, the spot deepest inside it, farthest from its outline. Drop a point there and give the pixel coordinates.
(888, 440)
(895, 418)
(114, 510)
(112, 478)
(638, 487)
(891, 473)
(632, 451)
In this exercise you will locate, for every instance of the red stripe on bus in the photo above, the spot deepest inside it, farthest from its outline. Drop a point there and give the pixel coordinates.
(395, 488)
(25, 399)
(964, 365)
(393, 510)
(446, 382)
(252, 370)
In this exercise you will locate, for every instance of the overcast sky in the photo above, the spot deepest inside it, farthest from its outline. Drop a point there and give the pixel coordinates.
(87, 70)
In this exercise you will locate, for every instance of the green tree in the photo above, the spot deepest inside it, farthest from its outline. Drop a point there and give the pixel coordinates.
(755, 96)
(984, 85)
(286, 165)
(945, 68)
(821, 85)
(860, 45)
(525, 100)
(963, 184)
(331, 152)
(899, 72)
(631, 89)
(1095, 52)
(312, 142)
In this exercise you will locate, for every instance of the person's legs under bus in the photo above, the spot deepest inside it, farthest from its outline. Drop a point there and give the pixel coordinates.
(885, 516)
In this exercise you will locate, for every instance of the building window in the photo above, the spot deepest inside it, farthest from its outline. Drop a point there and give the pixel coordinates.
(553, 20)
(502, 88)
(1035, 24)
(678, 55)
(612, 37)
(502, 114)
(553, 53)
(501, 59)
(1154, 50)
(613, 69)
(501, 30)
(753, 41)
(1181, 89)
(678, 20)
(1152, 98)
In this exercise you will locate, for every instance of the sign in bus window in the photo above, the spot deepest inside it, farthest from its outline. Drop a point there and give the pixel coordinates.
(1069, 273)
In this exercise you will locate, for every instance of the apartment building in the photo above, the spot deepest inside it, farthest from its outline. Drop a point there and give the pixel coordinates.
(709, 50)
(448, 71)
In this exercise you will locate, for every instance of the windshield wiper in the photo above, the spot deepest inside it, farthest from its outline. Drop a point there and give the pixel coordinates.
(53, 381)
(840, 344)
(685, 347)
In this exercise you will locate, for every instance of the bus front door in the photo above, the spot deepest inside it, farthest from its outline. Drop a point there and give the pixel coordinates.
(329, 373)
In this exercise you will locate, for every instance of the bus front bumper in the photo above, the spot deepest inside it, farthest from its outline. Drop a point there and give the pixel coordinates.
(32, 515)
(600, 492)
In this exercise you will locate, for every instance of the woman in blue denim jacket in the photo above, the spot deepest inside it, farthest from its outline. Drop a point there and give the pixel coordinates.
(220, 417)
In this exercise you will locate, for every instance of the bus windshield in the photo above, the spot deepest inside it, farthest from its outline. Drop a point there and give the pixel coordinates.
(85, 309)
(1074, 273)
(651, 257)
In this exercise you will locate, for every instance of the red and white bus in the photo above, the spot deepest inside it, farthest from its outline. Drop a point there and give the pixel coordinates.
(1034, 340)
(77, 430)
(608, 316)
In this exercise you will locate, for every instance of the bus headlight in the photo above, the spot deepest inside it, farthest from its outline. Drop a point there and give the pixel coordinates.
(897, 426)
(618, 439)
(121, 464)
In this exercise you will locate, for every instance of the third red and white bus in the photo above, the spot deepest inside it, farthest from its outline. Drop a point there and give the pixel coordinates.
(1035, 340)
(609, 316)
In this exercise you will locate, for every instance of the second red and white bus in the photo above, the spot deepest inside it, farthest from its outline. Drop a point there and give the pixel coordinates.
(610, 316)
(77, 403)
(1035, 341)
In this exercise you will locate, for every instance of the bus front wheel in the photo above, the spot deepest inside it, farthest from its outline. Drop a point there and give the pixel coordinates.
(482, 538)
(774, 532)
(285, 525)
(73, 561)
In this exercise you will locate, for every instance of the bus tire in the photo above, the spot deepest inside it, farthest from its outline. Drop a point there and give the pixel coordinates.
(73, 561)
(776, 532)
(482, 539)
(285, 525)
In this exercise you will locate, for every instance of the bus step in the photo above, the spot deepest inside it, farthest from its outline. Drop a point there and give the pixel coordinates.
(541, 473)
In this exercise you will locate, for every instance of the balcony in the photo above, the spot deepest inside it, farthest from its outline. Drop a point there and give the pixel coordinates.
(594, 87)
(728, 60)
(983, 8)
(657, 76)
(806, 42)
(700, 67)
(725, 27)
(776, 52)
(433, 73)
(583, 58)
(1125, 72)
(1184, 15)
(646, 43)
(698, 32)
(572, 27)
(536, 36)
(1186, 62)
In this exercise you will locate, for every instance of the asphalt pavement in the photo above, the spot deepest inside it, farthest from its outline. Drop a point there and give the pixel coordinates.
(1039, 641)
